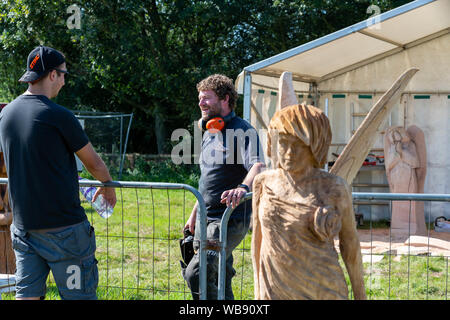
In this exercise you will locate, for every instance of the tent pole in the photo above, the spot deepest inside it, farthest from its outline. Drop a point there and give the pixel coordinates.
(247, 95)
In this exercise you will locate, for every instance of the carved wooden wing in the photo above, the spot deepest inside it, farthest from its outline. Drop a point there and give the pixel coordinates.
(352, 157)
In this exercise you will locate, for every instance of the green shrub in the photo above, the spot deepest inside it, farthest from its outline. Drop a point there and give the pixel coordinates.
(157, 171)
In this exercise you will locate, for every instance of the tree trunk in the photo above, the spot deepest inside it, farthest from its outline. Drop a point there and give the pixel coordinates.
(160, 131)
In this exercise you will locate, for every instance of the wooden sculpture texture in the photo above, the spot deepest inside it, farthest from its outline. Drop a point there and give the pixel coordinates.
(298, 209)
(405, 155)
(7, 258)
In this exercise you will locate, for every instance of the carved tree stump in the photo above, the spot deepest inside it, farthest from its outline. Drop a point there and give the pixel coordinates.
(7, 257)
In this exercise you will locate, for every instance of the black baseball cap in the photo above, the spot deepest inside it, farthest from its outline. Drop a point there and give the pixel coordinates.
(41, 60)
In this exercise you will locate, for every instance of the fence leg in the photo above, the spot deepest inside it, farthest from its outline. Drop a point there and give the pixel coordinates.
(203, 267)
(222, 254)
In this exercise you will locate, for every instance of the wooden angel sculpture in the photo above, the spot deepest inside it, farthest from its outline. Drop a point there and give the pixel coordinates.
(405, 161)
(298, 210)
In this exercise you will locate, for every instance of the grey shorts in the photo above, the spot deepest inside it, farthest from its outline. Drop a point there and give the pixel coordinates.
(68, 252)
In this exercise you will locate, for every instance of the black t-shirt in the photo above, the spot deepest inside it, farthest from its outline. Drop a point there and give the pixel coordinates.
(39, 138)
(225, 159)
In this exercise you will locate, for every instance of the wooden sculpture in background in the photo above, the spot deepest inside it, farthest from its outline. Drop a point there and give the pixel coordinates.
(298, 209)
(405, 161)
(7, 258)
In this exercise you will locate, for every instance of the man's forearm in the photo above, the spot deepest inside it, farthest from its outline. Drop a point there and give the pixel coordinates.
(233, 196)
(190, 224)
(254, 170)
(100, 172)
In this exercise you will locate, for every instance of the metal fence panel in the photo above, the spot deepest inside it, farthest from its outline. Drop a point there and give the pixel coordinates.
(138, 246)
(393, 279)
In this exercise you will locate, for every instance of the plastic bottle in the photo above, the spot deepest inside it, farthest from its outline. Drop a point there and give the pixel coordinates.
(100, 205)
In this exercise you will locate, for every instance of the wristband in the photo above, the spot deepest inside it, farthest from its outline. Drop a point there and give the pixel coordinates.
(244, 186)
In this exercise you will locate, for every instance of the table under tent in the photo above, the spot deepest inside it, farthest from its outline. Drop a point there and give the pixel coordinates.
(346, 72)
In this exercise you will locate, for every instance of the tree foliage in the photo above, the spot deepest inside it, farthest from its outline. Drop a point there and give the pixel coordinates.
(147, 56)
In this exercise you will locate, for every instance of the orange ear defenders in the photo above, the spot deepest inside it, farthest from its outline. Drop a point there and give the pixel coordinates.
(216, 124)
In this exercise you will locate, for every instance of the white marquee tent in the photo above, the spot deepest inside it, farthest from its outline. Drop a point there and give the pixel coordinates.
(346, 72)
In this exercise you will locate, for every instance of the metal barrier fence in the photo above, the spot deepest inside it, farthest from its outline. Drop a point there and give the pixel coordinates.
(393, 270)
(138, 249)
(138, 246)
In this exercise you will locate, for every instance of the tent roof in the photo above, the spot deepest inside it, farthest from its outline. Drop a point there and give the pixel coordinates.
(359, 44)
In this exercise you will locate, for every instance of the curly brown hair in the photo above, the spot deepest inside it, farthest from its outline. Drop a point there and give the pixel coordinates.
(222, 87)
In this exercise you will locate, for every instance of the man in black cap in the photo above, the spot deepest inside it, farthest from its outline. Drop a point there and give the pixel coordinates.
(50, 230)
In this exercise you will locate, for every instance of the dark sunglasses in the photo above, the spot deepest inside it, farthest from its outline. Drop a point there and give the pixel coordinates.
(62, 71)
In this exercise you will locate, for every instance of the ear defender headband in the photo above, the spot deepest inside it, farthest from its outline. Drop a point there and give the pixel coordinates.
(215, 124)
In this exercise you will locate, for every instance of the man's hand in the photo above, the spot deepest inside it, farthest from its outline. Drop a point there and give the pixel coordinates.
(95, 165)
(190, 224)
(233, 196)
(108, 193)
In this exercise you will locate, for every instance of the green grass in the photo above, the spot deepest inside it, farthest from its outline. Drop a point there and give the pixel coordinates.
(408, 278)
(137, 248)
(138, 254)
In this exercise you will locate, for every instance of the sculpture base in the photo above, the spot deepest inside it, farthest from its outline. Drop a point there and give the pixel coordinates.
(408, 218)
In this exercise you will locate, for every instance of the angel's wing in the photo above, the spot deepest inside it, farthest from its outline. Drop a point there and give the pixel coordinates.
(417, 136)
(350, 160)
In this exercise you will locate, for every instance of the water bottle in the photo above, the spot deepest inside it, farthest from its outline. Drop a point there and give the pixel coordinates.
(103, 208)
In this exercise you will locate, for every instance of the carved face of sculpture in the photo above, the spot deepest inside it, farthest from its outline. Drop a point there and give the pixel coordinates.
(398, 134)
(293, 154)
(306, 124)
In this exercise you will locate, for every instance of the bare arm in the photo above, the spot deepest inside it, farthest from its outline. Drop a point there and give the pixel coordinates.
(190, 224)
(256, 235)
(95, 165)
(350, 247)
(228, 196)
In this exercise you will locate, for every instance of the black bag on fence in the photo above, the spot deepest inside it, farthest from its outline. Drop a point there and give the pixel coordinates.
(187, 249)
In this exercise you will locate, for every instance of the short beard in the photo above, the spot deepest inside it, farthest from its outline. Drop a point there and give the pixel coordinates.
(214, 114)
